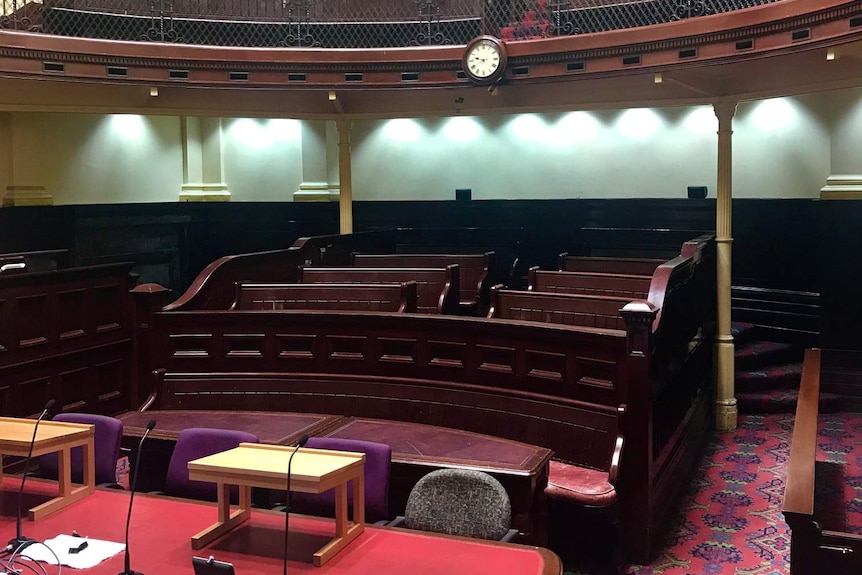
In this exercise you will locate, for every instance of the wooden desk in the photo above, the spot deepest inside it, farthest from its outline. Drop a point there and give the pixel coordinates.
(312, 471)
(15, 438)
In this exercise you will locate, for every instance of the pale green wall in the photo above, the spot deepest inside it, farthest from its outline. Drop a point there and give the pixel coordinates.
(783, 148)
(83, 159)
(262, 159)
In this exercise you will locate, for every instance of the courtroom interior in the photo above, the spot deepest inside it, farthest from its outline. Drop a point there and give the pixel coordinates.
(486, 286)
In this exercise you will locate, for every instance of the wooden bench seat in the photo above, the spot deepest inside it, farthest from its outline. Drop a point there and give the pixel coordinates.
(437, 288)
(589, 283)
(475, 271)
(569, 309)
(399, 298)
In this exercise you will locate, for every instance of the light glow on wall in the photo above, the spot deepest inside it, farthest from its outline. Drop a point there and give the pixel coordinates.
(773, 114)
(575, 127)
(701, 120)
(257, 133)
(462, 129)
(402, 130)
(639, 123)
(129, 126)
(529, 127)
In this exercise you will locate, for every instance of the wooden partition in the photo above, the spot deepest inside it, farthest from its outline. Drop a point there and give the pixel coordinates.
(819, 542)
(67, 335)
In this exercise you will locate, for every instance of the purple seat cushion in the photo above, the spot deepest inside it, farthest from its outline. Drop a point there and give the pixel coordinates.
(378, 462)
(194, 443)
(108, 434)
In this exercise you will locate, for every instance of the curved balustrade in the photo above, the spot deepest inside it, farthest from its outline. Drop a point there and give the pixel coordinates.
(343, 24)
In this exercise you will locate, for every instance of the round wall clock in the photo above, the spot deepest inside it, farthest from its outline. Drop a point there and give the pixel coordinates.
(485, 59)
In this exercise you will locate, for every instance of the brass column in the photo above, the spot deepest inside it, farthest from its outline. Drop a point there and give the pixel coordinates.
(725, 400)
(345, 202)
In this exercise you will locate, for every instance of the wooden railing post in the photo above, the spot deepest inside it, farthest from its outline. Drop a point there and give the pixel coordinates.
(148, 299)
(635, 470)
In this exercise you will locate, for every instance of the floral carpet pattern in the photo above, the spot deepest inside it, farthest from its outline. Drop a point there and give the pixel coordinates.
(730, 520)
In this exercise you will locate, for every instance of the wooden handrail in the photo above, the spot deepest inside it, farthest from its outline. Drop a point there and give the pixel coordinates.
(799, 492)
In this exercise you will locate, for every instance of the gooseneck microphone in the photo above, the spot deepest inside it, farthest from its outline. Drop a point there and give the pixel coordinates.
(132, 486)
(302, 441)
(20, 542)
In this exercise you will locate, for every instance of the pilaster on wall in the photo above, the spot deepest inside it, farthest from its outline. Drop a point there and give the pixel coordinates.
(203, 161)
(345, 177)
(842, 187)
(314, 186)
(16, 193)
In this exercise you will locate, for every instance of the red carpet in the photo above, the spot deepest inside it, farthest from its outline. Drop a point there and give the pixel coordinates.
(161, 530)
(730, 522)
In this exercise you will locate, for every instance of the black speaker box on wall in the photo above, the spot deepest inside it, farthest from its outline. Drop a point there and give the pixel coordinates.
(463, 193)
(697, 192)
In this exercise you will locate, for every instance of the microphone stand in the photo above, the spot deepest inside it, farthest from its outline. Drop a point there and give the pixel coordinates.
(128, 569)
(19, 542)
(302, 441)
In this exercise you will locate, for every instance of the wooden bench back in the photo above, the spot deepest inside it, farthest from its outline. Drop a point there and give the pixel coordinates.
(578, 432)
(474, 270)
(400, 297)
(437, 288)
(589, 283)
(568, 309)
(636, 266)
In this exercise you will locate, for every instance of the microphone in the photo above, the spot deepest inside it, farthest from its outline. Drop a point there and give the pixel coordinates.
(302, 441)
(20, 542)
(128, 570)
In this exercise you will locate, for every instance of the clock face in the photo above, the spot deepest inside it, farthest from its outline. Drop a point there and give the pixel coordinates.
(484, 59)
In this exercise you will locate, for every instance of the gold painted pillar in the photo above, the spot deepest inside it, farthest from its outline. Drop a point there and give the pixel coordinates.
(345, 200)
(725, 400)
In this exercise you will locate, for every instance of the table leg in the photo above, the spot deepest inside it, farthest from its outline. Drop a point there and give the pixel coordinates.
(344, 531)
(226, 519)
(69, 493)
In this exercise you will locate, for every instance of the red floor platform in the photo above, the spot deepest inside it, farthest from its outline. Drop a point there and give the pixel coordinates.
(162, 528)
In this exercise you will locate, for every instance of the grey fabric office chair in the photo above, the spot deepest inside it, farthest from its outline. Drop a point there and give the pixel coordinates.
(460, 502)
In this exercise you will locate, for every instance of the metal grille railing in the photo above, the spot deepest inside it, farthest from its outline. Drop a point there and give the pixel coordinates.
(344, 23)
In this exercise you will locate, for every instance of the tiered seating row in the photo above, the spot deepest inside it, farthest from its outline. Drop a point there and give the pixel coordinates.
(437, 288)
(589, 283)
(541, 384)
(475, 271)
(398, 298)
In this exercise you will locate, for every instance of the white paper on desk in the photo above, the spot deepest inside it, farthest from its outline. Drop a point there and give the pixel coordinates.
(96, 551)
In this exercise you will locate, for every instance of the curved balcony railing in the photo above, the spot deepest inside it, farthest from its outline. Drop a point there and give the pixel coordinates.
(345, 23)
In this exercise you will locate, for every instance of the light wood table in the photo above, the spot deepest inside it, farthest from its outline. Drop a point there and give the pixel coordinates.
(259, 465)
(15, 437)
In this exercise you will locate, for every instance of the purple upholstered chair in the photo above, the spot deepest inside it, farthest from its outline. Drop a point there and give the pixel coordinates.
(194, 443)
(108, 434)
(378, 461)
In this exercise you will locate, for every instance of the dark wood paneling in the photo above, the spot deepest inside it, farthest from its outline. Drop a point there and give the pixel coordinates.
(60, 329)
(839, 267)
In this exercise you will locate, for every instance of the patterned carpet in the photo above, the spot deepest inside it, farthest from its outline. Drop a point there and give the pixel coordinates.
(730, 521)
